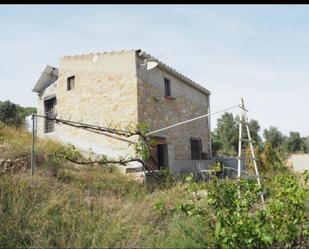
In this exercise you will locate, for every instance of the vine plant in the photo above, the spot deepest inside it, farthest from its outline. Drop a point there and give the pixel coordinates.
(142, 146)
(244, 222)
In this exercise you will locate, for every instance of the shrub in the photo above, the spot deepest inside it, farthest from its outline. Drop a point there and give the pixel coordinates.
(240, 221)
(13, 114)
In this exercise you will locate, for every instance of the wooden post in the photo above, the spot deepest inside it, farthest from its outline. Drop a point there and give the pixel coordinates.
(244, 119)
(254, 159)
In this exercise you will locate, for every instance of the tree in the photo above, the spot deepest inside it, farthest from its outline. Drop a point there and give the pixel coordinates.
(25, 111)
(216, 145)
(13, 114)
(254, 129)
(8, 113)
(225, 136)
(294, 142)
(306, 144)
(274, 136)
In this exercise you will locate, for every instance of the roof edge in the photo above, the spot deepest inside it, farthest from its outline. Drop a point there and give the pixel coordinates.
(47, 77)
(77, 56)
(177, 74)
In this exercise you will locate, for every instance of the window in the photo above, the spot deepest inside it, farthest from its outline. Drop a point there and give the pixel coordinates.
(49, 108)
(167, 87)
(70, 83)
(196, 148)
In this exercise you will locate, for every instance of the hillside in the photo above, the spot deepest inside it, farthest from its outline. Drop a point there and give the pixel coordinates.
(69, 205)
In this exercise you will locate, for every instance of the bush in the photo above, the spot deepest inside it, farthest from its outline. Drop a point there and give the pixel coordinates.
(240, 221)
(13, 114)
(163, 179)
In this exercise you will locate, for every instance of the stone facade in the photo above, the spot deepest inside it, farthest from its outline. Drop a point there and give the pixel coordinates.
(105, 94)
(160, 111)
(112, 89)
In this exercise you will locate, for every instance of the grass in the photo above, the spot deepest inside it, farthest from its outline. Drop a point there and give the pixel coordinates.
(74, 206)
(16, 143)
(87, 212)
(81, 206)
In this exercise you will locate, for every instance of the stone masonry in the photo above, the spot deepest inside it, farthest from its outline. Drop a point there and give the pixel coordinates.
(112, 89)
(159, 111)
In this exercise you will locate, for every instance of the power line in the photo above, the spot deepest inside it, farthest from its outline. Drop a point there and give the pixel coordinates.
(193, 119)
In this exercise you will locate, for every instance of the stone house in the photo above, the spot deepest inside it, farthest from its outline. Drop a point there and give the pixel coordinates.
(115, 89)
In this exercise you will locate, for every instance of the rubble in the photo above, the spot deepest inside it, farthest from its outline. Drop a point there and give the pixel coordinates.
(14, 165)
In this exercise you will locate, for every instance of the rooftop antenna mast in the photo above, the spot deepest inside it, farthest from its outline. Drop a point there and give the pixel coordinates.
(244, 121)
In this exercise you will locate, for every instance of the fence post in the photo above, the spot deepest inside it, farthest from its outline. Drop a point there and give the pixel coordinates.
(32, 146)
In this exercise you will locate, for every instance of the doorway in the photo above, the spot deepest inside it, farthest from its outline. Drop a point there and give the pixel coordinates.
(159, 153)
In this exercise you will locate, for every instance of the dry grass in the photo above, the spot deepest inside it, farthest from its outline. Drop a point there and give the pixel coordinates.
(78, 206)
(82, 207)
(16, 142)
(86, 211)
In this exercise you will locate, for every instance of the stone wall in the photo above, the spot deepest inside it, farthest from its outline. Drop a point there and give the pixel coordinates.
(160, 111)
(105, 94)
(111, 89)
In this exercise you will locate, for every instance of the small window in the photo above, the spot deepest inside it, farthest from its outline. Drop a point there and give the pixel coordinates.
(196, 148)
(167, 86)
(70, 83)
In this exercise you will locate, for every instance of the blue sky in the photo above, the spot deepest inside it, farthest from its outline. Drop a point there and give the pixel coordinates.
(259, 52)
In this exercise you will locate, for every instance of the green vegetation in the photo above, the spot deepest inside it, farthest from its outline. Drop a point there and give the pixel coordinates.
(225, 138)
(13, 114)
(293, 143)
(67, 205)
(245, 223)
